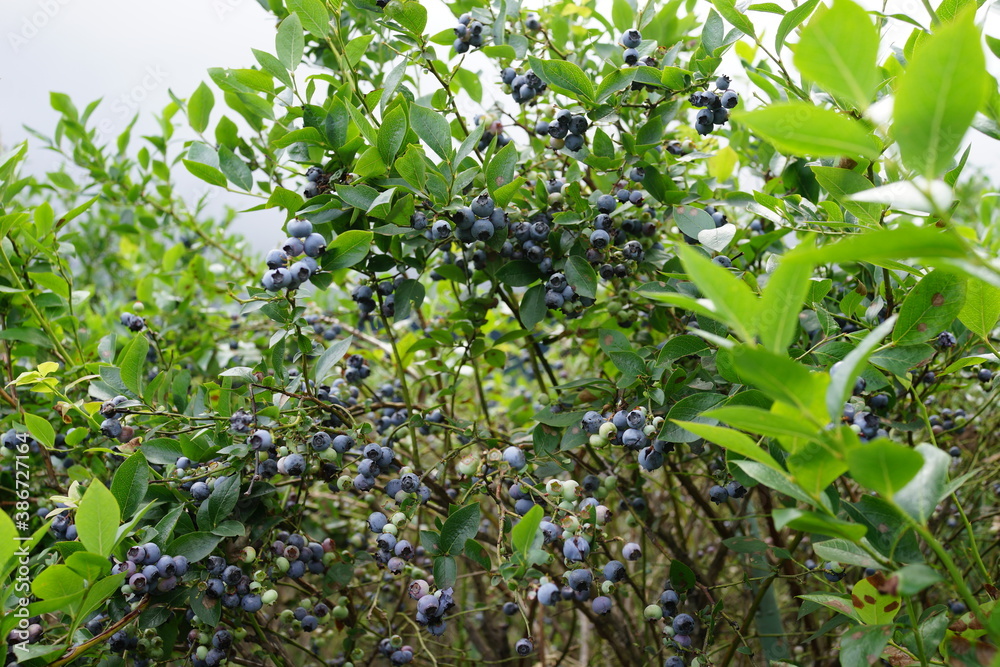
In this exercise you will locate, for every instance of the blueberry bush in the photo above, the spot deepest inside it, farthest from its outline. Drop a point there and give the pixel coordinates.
(575, 347)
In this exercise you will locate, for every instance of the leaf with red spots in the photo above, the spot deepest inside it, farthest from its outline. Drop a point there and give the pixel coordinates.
(930, 308)
(873, 607)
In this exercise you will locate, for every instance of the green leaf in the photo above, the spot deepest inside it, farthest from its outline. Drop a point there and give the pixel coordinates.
(799, 128)
(461, 525)
(681, 576)
(500, 170)
(982, 308)
(814, 522)
(781, 303)
(391, 133)
(843, 377)
(733, 441)
(432, 128)
(97, 519)
(330, 357)
(904, 242)
(928, 487)
(838, 50)
(916, 577)
(347, 249)
(518, 273)
(791, 20)
(729, 12)
(930, 307)
(874, 607)
(133, 360)
(445, 571)
(200, 107)
(564, 77)
(581, 275)
(207, 173)
(220, 504)
(355, 48)
(773, 479)
(845, 552)
(505, 193)
(622, 15)
(130, 483)
(730, 297)
(943, 86)
(780, 377)
(57, 581)
(618, 80)
(194, 546)
(411, 15)
(41, 429)
(533, 306)
(841, 184)
(235, 169)
(289, 42)
(883, 466)
(314, 16)
(864, 645)
(691, 220)
(689, 409)
(526, 534)
(764, 422)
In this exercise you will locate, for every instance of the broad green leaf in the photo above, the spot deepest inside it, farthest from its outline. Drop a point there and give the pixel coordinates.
(432, 128)
(838, 50)
(206, 173)
(780, 378)
(943, 86)
(445, 571)
(916, 577)
(841, 184)
(982, 307)
(764, 422)
(330, 357)
(773, 479)
(791, 20)
(289, 42)
(500, 170)
(526, 534)
(904, 242)
(581, 275)
(97, 519)
(615, 81)
(844, 552)
(391, 133)
(780, 305)
(355, 48)
(689, 409)
(200, 107)
(41, 429)
(729, 296)
(883, 466)
(814, 522)
(347, 249)
(930, 307)
(728, 10)
(313, 14)
(56, 581)
(565, 77)
(533, 307)
(133, 362)
(412, 15)
(220, 504)
(235, 169)
(691, 220)
(193, 546)
(89, 566)
(799, 128)
(622, 15)
(130, 483)
(462, 524)
(843, 377)
(733, 441)
(900, 360)
(920, 496)
(864, 645)
(873, 607)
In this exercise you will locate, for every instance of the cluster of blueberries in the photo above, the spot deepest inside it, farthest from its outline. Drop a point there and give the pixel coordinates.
(295, 555)
(112, 426)
(133, 322)
(719, 494)
(479, 221)
(630, 429)
(560, 295)
(148, 570)
(394, 649)
(524, 88)
(390, 551)
(364, 296)
(631, 40)
(714, 105)
(565, 130)
(221, 643)
(468, 33)
(431, 607)
(316, 179)
(301, 240)
(320, 329)
(601, 238)
(494, 128)
(867, 425)
(357, 369)
(529, 239)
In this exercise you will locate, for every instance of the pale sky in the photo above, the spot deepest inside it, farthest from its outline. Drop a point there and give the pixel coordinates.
(130, 52)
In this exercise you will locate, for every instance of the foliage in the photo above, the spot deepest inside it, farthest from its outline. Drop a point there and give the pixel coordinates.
(598, 376)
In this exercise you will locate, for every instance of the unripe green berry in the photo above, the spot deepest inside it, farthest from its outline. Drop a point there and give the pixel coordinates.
(653, 612)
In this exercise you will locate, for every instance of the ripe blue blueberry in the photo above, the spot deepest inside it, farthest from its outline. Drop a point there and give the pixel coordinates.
(200, 491)
(251, 602)
(722, 83)
(514, 456)
(600, 239)
(314, 245)
(482, 230)
(295, 465)
(631, 39)
(606, 204)
(718, 494)
(482, 206)
(292, 247)
(276, 258)
(632, 551)
(548, 594)
(508, 74)
(524, 647)
(631, 57)
(576, 549)
(683, 624)
(730, 99)
(299, 228)
(615, 571)
(601, 605)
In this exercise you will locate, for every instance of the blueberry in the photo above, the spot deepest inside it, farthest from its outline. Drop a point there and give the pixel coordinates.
(510, 608)
(111, 428)
(631, 57)
(946, 339)
(261, 439)
(200, 491)
(482, 230)
(276, 258)
(377, 521)
(314, 245)
(574, 143)
(515, 457)
(313, 174)
(736, 490)
(418, 220)
(674, 661)
(292, 247)
(482, 206)
(578, 125)
(632, 551)
(576, 549)
(984, 375)
(600, 239)
(342, 443)
(532, 23)
(252, 603)
(542, 127)
(631, 39)
(730, 99)
(592, 421)
(310, 623)
(321, 441)
(601, 605)
(548, 594)
(299, 228)
(295, 465)
(606, 204)
(614, 571)
(508, 74)
(165, 566)
(683, 624)
(460, 46)
(955, 452)
(637, 174)
(524, 647)
(722, 83)
(718, 494)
